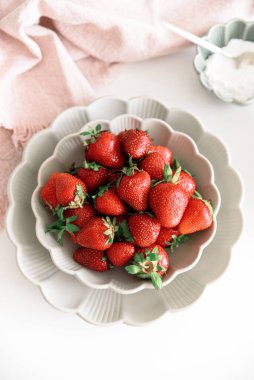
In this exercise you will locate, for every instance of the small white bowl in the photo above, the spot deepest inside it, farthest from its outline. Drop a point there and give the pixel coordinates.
(70, 149)
(220, 35)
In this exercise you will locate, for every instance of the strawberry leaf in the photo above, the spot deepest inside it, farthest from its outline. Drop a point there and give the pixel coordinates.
(144, 276)
(133, 269)
(152, 257)
(167, 172)
(101, 191)
(155, 250)
(98, 128)
(138, 257)
(187, 172)
(177, 240)
(91, 165)
(176, 164)
(124, 232)
(60, 236)
(161, 269)
(156, 280)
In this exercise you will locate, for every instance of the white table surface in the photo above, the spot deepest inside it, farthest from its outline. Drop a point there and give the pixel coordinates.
(213, 339)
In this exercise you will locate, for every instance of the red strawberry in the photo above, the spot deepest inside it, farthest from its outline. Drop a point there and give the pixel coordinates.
(71, 220)
(164, 151)
(170, 237)
(144, 229)
(185, 181)
(70, 191)
(108, 202)
(83, 214)
(92, 259)
(167, 200)
(120, 253)
(104, 148)
(93, 176)
(48, 192)
(97, 234)
(166, 236)
(154, 164)
(134, 189)
(197, 217)
(135, 143)
(150, 263)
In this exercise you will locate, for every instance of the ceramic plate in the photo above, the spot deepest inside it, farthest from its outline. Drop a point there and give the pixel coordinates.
(106, 306)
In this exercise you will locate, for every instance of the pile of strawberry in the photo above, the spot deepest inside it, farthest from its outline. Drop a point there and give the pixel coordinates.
(125, 204)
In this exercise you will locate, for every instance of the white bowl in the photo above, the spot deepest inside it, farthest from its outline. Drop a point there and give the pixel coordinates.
(220, 35)
(70, 149)
(106, 307)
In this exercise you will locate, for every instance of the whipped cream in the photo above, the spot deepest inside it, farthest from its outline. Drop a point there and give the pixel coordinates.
(225, 78)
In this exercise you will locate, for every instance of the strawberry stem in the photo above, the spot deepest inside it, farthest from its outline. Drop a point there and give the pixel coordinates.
(93, 133)
(147, 267)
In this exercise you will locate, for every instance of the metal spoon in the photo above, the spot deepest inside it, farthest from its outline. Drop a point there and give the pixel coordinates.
(246, 58)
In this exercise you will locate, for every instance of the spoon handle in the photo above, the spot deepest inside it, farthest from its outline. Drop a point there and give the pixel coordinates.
(196, 40)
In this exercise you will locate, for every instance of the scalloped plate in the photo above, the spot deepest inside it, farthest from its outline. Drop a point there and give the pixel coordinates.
(106, 306)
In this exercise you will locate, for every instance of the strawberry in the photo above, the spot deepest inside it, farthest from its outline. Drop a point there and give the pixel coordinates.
(186, 181)
(154, 164)
(83, 214)
(133, 187)
(93, 175)
(92, 259)
(97, 234)
(164, 152)
(120, 253)
(48, 192)
(197, 217)
(108, 202)
(144, 229)
(170, 237)
(150, 263)
(104, 148)
(166, 236)
(167, 200)
(71, 220)
(70, 191)
(135, 143)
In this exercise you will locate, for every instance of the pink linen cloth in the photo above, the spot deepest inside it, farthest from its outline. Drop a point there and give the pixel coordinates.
(55, 54)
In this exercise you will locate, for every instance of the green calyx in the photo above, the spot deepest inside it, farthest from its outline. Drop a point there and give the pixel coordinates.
(129, 170)
(177, 240)
(168, 176)
(123, 232)
(62, 225)
(79, 198)
(93, 134)
(101, 191)
(197, 195)
(73, 169)
(147, 267)
(176, 164)
(91, 165)
(112, 228)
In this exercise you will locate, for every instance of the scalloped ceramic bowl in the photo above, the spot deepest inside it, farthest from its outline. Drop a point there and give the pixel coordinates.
(70, 149)
(220, 35)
